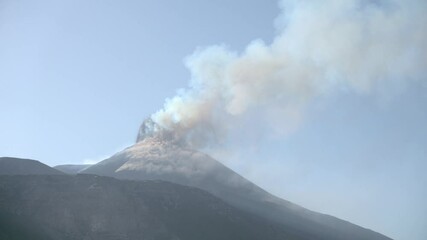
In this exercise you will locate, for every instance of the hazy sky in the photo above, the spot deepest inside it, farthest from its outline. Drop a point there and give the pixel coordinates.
(78, 77)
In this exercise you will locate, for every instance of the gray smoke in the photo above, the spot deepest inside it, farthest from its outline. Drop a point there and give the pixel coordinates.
(321, 47)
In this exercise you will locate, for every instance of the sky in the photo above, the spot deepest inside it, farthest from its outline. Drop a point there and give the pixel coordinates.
(77, 78)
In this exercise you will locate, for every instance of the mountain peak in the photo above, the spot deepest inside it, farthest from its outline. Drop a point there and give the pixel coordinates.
(163, 154)
(152, 131)
(155, 155)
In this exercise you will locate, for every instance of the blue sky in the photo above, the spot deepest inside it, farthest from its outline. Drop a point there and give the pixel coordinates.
(78, 77)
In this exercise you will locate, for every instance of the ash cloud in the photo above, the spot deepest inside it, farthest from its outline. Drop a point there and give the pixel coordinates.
(320, 47)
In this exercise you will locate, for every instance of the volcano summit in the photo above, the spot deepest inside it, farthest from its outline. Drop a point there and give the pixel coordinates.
(159, 155)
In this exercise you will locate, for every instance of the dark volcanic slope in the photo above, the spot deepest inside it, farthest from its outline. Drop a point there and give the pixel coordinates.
(154, 158)
(71, 168)
(18, 166)
(93, 207)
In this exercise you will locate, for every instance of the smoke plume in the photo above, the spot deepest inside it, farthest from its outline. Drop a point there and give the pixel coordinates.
(320, 47)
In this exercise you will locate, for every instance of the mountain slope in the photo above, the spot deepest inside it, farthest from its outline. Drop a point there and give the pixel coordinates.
(155, 158)
(18, 166)
(93, 207)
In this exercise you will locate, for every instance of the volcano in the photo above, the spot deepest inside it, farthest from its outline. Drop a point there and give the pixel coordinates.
(159, 156)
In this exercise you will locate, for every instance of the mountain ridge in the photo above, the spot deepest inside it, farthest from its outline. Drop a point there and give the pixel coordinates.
(154, 158)
(71, 168)
(21, 166)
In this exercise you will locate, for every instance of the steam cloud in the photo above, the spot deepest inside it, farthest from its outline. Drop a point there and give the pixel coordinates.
(321, 46)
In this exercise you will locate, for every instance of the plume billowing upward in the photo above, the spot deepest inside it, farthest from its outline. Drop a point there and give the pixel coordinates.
(321, 46)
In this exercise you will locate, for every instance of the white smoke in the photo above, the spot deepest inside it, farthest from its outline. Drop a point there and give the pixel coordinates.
(321, 46)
